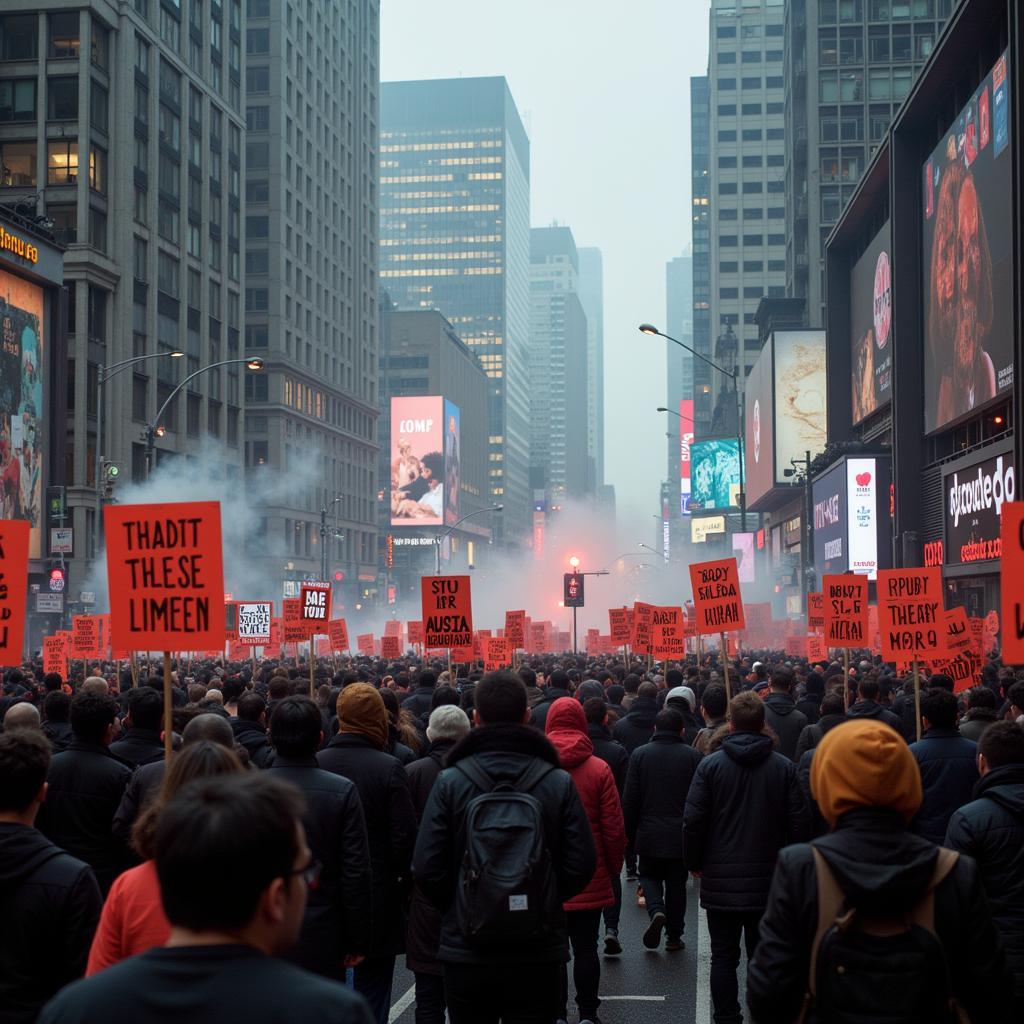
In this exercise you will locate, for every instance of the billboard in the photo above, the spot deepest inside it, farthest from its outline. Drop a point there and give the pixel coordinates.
(967, 241)
(871, 327)
(21, 405)
(701, 528)
(417, 461)
(799, 373)
(716, 475)
(743, 549)
(974, 494)
(828, 495)
(452, 418)
(759, 439)
(685, 442)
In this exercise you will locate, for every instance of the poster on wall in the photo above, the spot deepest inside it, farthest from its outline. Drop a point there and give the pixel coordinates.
(21, 405)
(800, 424)
(759, 439)
(871, 327)
(715, 483)
(967, 242)
(417, 461)
(452, 464)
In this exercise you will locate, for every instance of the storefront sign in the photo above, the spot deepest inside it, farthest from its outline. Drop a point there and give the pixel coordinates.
(974, 495)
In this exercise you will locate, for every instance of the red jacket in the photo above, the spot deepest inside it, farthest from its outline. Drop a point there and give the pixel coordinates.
(566, 728)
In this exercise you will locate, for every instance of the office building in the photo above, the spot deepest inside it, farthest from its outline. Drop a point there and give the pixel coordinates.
(312, 81)
(591, 293)
(559, 379)
(455, 237)
(121, 126)
(700, 199)
(848, 67)
(679, 364)
(746, 193)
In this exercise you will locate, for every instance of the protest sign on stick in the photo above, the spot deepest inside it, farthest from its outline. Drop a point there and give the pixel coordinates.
(1011, 533)
(14, 539)
(447, 611)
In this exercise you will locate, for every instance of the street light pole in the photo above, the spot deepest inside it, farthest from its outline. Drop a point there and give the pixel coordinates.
(660, 554)
(323, 536)
(439, 539)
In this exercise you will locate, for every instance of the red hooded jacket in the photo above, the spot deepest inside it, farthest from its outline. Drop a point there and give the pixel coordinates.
(566, 728)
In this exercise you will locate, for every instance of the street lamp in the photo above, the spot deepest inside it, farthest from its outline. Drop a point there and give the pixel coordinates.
(801, 473)
(439, 539)
(731, 375)
(103, 375)
(647, 547)
(323, 535)
(154, 430)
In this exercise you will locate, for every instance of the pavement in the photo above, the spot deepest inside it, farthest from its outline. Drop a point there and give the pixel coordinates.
(639, 987)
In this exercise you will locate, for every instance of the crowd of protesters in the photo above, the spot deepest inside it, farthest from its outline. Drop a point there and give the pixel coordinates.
(489, 827)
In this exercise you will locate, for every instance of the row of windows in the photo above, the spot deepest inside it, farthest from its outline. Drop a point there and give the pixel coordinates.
(751, 135)
(731, 241)
(751, 188)
(748, 293)
(753, 213)
(750, 56)
(19, 38)
(751, 267)
(18, 100)
(848, 46)
(19, 163)
(842, 11)
(752, 160)
(752, 30)
(750, 82)
(848, 86)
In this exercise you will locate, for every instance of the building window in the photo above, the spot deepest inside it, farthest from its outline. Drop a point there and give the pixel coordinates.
(167, 221)
(98, 106)
(257, 300)
(100, 53)
(257, 261)
(98, 170)
(18, 162)
(257, 40)
(727, 85)
(62, 162)
(64, 35)
(257, 80)
(257, 119)
(257, 227)
(727, 162)
(97, 229)
(751, 109)
(727, 58)
(141, 55)
(256, 336)
(18, 99)
(141, 248)
(257, 156)
(167, 276)
(62, 99)
(65, 223)
(170, 29)
(19, 37)
(170, 128)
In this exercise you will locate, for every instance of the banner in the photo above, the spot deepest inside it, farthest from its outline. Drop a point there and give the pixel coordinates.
(315, 601)
(337, 631)
(390, 647)
(55, 654)
(1012, 582)
(640, 631)
(87, 636)
(496, 653)
(393, 628)
(515, 628)
(254, 622)
(295, 629)
(816, 611)
(816, 649)
(911, 614)
(620, 625)
(365, 644)
(447, 611)
(415, 631)
(716, 596)
(846, 610)
(14, 538)
(668, 633)
(166, 576)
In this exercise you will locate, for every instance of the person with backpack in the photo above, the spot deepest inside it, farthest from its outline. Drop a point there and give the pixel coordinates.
(504, 842)
(871, 921)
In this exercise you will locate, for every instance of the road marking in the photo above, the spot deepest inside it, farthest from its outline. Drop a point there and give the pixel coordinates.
(703, 1008)
(639, 999)
(402, 1005)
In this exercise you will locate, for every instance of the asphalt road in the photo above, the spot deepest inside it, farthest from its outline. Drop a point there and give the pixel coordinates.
(638, 987)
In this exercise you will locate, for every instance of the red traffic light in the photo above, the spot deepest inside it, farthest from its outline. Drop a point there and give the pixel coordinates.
(56, 574)
(338, 576)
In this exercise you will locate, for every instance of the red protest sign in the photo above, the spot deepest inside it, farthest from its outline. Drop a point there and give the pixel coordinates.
(390, 647)
(166, 576)
(447, 611)
(315, 602)
(496, 653)
(816, 649)
(55, 654)
(640, 627)
(415, 630)
(538, 637)
(619, 625)
(14, 537)
(1011, 533)
(958, 631)
(323, 647)
(337, 631)
(846, 610)
(816, 611)
(86, 636)
(717, 603)
(668, 633)
(365, 644)
(911, 614)
(393, 628)
(462, 655)
(515, 628)
(295, 629)
(796, 646)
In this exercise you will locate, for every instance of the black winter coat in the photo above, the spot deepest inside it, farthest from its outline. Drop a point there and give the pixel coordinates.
(948, 775)
(49, 906)
(390, 827)
(139, 746)
(339, 911)
(785, 721)
(142, 787)
(253, 737)
(659, 779)
(810, 708)
(976, 721)
(59, 734)
(418, 702)
(904, 710)
(744, 805)
(637, 726)
(882, 870)
(611, 752)
(810, 735)
(503, 751)
(86, 784)
(539, 716)
(872, 709)
(991, 830)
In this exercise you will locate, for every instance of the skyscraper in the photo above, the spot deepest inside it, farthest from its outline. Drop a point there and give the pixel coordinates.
(592, 297)
(747, 193)
(700, 186)
(679, 364)
(312, 84)
(455, 236)
(848, 67)
(559, 378)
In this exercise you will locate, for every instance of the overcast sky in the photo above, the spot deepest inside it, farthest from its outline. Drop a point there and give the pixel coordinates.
(603, 91)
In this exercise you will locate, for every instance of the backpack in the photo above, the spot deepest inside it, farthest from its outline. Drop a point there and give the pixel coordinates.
(879, 969)
(506, 887)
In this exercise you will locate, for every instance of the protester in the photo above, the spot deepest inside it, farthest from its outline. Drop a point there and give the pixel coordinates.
(358, 753)
(142, 741)
(865, 782)
(684, 700)
(832, 714)
(867, 706)
(654, 814)
(85, 786)
(250, 729)
(566, 729)
(22, 715)
(338, 917)
(49, 900)
(743, 806)
(947, 764)
(781, 714)
(557, 688)
(57, 720)
(504, 960)
(990, 829)
(981, 713)
(220, 962)
(637, 725)
(714, 704)
(418, 701)
(809, 705)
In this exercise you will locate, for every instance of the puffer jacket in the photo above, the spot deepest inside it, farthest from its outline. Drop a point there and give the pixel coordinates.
(785, 721)
(566, 730)
(991, 830)
(948, 775)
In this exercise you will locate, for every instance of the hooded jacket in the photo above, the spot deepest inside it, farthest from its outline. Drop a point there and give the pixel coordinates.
(611, 752)
(637, 726)
(785, 721)
(883, 870)
(49, 906)
(139, 746)
(504, 752)
(743, 806)
(567, 732)
(539, 716)
(948, 775)
(872, 709)
(976, 721)
(253, 737)
(810, 735)
(991, 830)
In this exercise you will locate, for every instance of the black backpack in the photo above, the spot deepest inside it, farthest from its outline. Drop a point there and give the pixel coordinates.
(879, 969)
(506, 888)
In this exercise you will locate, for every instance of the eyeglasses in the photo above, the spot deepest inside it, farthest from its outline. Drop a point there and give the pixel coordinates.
(310, 873)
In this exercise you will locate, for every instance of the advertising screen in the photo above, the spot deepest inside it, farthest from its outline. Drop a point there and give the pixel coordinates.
(701, 528)
(862, 494)
(417, 461)
(760, 443)
(974, 494)
(452, 417)
(829, 499)
(967, 240)
(716, 475)
(800, 425)
(685, 441)
(743, 549)
(871, 327)
(21, 405)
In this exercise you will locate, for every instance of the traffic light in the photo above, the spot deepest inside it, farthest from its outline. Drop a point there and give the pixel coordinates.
(339, 576)
(572, 584)
(57, 580)
(111, 473)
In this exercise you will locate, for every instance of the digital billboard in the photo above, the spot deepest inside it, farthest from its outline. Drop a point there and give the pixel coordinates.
(743, 549)
(974, 495)
(452, 419)
(871, 327)
(799, 374)
(685, 441)
(716, 475)
(967, 241)
(417, 461)
(760, 441)
(21, 405)
(700, 529)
